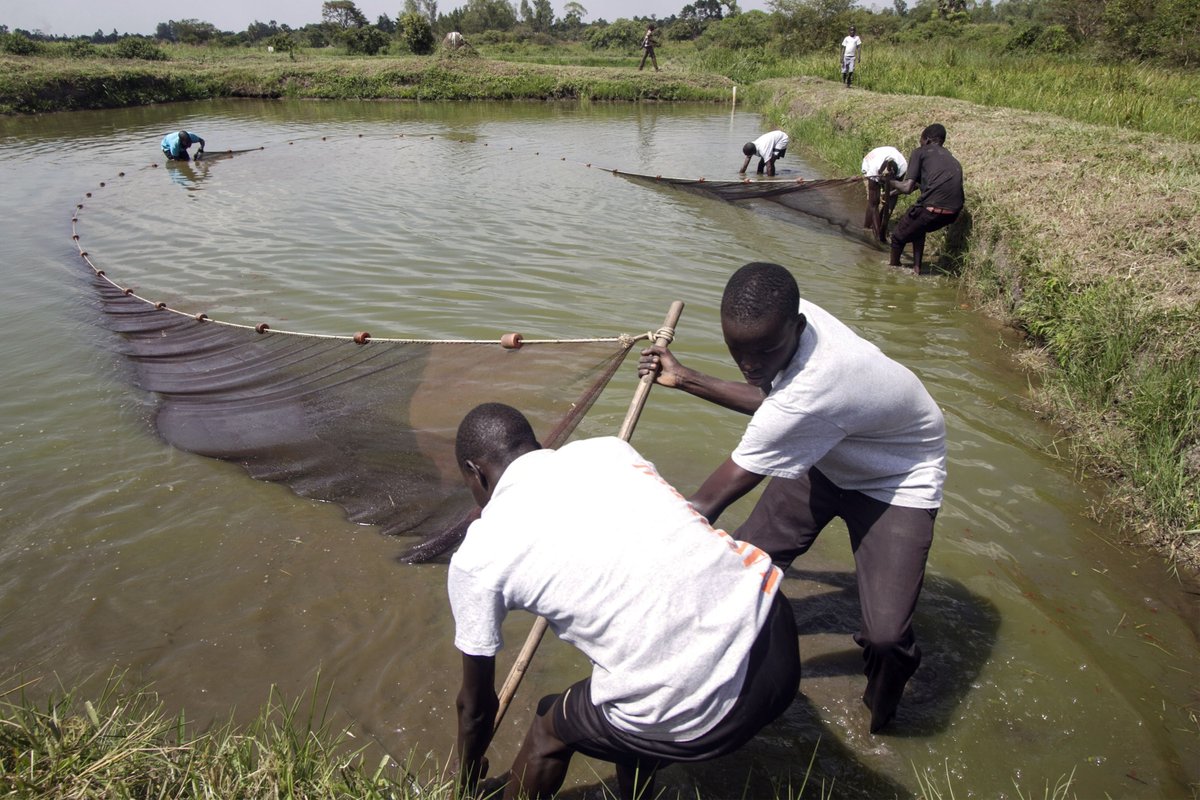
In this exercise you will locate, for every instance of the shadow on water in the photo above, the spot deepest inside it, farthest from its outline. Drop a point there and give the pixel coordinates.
(805, 753)
(956, 629)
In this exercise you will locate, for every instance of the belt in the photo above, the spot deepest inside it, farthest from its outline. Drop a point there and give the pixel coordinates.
(936, 210)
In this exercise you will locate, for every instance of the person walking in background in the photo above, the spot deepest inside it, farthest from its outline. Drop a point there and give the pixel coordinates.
(881, 166)
(851, 47)
(770, 147)
(175, 145)
(940, 176)
(842, 431)
(648, 44)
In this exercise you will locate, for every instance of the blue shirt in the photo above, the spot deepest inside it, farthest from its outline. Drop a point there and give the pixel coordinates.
(174, 145)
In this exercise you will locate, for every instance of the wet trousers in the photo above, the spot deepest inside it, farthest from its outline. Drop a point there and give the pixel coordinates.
(890, 545)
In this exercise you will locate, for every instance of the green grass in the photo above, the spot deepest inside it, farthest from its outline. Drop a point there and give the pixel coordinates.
(123, 745)
(1130, 95)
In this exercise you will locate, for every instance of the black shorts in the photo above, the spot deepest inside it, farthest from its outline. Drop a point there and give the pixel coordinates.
(772, 678)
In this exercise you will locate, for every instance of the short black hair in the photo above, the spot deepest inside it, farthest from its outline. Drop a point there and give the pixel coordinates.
(493, 431)
(935, 133)
(184, 136)
(749, 149)
(760, 292)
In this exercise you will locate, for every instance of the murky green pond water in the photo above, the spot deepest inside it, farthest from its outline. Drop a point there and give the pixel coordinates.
(1051, 649)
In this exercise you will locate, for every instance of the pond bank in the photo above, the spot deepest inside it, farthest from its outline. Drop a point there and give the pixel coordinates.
(1085, 237)
(31, 84)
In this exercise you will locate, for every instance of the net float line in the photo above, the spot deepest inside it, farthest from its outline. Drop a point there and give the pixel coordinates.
(509, 341)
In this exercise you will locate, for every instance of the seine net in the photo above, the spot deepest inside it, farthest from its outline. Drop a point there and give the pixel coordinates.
(833, 200)
(367, 426)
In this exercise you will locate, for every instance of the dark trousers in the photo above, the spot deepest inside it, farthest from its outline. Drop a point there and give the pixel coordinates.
(890, 545)
(912, 227)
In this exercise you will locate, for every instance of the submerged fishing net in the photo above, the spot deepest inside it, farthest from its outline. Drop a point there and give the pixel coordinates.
(833, 200)
(366, 423)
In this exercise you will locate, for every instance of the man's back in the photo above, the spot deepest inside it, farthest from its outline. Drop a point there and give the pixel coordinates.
(590, 537)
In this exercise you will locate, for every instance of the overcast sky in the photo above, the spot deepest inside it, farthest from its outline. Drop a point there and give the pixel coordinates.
(76, 17)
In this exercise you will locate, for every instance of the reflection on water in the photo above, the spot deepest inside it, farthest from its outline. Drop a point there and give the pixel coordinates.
(1048, 647)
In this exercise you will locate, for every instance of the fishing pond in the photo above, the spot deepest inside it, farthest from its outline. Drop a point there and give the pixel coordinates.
(1053, 651)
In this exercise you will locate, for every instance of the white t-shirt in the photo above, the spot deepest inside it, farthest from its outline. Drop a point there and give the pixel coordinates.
(873, 161)
(591, 538)
(850, 46)
(861, 418)
(770, 143)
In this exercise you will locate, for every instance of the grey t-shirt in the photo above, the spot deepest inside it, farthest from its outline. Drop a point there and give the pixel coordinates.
(865, 421)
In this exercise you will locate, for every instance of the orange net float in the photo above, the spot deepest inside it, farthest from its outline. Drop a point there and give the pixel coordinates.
(512, 341)
(160, 306)
(262, 327)
(201, 317)
(362, 337)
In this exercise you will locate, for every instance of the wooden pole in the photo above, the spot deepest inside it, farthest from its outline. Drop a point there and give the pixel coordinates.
(663, 338)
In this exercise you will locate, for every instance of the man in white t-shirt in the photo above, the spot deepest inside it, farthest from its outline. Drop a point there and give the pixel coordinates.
(770, 147)
(693, 648)
(879, 166)
(843, 431)
(851, 48)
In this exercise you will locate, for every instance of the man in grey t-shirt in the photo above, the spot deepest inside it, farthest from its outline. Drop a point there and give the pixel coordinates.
(844, 431)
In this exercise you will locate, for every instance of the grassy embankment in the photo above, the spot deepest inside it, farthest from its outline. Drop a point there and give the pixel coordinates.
(33, 84)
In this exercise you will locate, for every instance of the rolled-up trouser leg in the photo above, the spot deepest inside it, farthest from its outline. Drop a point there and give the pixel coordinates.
(891, 544)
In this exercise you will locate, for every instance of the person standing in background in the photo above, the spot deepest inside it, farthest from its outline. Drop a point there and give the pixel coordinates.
(851, 47)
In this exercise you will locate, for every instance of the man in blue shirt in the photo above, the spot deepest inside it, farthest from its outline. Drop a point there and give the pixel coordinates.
(175, 145)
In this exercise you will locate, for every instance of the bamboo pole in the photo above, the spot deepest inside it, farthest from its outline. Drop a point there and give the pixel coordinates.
(663, 338)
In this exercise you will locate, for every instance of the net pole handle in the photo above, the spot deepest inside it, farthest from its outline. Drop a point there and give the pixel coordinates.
(663, 338)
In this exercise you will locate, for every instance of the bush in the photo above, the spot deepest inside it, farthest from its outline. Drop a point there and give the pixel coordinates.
(81, 48)
(367, 40)
(624, 34)
(416, 33)
(1055, 39)
(283, 43)
(18, 44)
(135, 47)
(742, 32)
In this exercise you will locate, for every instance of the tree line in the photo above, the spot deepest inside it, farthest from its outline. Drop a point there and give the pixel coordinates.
(1152, 30)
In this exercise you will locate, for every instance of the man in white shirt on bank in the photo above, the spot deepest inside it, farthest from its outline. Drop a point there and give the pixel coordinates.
(693, 647)
(851, 48)
(770, 147)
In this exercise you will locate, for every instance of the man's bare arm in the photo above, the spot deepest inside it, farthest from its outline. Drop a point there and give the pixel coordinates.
(735, 395)
(724, 487)
(477, 704)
